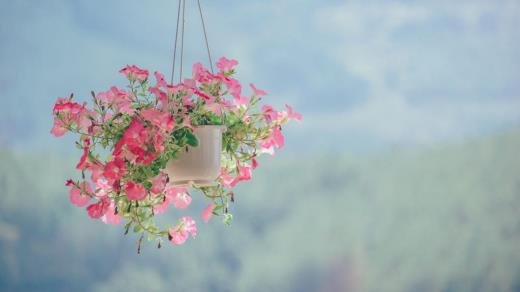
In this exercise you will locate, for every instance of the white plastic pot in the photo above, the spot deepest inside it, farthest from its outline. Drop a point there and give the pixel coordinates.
(198, 165)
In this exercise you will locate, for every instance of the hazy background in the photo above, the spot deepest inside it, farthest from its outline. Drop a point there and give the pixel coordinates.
(403, 176)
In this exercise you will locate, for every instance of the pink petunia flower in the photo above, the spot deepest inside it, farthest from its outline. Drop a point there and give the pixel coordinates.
(276, 138)
(215, 107)
(162, 207)
(118, 99)
(58, 128)
(110, 216)
(162, 120)
(179, 196)
(207, 213)
(257, 91)
(135, 192)
(84, 161)
(160, 79)
(226, 65)
(227, 180)
(159, 94)
(186, 122)
(97, 171)
(180, 233)
(269, 113)
(97, 210)
(134, 73)
(242, 100)
(114, 170)
(244, 174)
(65, 112)
(292, 115)
(201, 74)
(82, 195)
(159, 183)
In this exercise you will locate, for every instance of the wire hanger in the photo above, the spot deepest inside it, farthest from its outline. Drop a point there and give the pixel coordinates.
(181, 18)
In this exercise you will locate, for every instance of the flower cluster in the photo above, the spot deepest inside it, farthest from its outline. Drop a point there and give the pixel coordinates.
(129, 135)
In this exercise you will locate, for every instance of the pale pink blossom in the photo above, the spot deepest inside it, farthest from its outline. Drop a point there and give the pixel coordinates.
(201, 74)
(102, 187)
(244, 174)
(241, 100)
(226, 65)
(163, 206)
(292, 115)
(58, 128)
(162, 120)
(159, 183)
(97, 171)
(65, 113)
(275, 138)
(227, 180)
(257, 91)
(160, 79)
(118, 99)
(207, 213)
(159, 94)
(186, 122)
(110, 216)
(215, 108)
(180, 233)
(179, 196)
(270, 114)
(82, 195)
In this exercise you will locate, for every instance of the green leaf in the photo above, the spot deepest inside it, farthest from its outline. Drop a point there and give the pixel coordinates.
(192, 139)
(147, 185)
(137, 228)
(227, 218)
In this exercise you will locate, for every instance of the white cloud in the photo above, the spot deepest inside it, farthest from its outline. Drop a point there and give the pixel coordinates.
(436, 83)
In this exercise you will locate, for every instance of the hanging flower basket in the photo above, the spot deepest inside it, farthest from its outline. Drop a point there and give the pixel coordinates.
(147, 147)
(199, 165)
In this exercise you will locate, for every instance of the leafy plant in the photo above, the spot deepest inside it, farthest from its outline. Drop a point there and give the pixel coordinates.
(144, 126)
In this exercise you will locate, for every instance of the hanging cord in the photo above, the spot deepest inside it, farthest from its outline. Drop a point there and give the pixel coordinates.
(205, 37)
(181, 18)
(175, 42)
(182, 38)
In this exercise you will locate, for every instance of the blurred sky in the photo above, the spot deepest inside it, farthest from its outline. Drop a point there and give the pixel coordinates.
(366, 73)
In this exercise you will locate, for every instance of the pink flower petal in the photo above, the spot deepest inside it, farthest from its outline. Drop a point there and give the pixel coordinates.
(161, 208)
(292, 115)
(277, 137)
(257, 91)
(179, 196)
(159, 183)
(77, 197)
(179, 234)
(135, 191)
(207, 213)
(134, 73)
(97, 210)
(110, 216)
(226, 65)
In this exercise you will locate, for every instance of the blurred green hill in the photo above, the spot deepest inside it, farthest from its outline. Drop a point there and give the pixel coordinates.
(444, 218)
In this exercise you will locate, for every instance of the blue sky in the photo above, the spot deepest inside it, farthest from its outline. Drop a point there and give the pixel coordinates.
(364, 73)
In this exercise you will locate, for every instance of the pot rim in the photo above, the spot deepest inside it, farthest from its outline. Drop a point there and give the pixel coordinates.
(221, 127)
